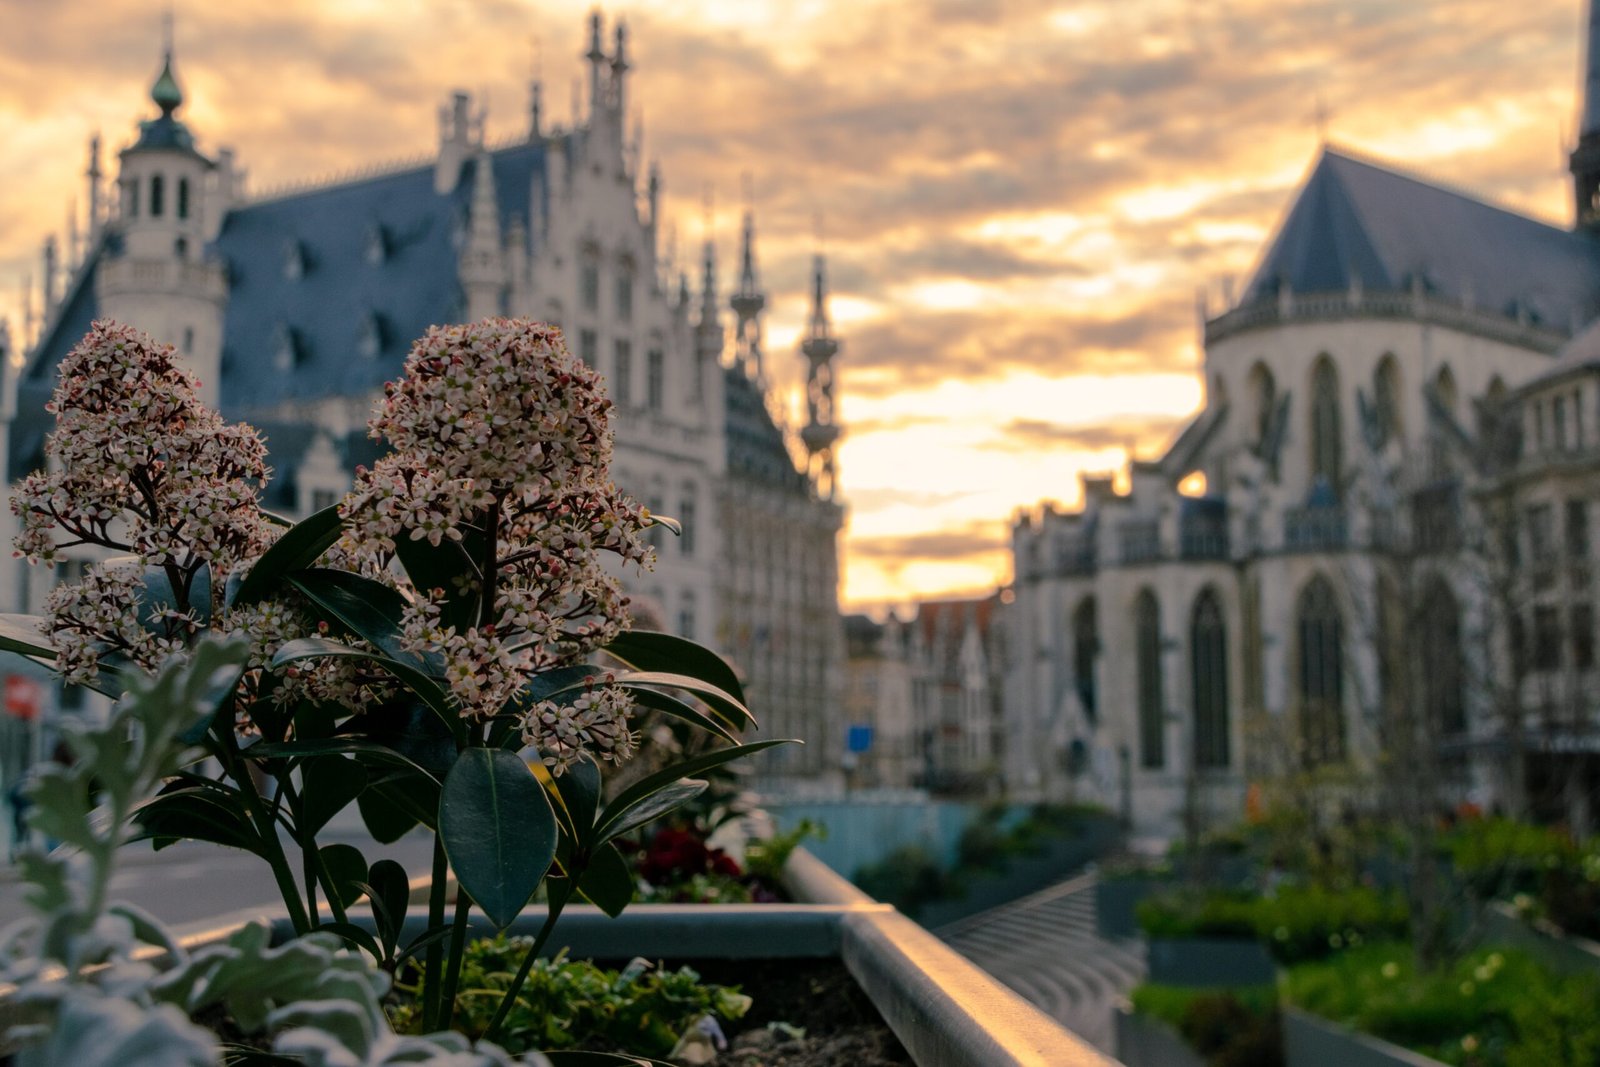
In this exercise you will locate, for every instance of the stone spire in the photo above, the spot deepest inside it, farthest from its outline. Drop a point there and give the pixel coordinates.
(619, 74)
(747, 303)
(596, 56)
(1585, 160)
(483, 259)
(820, 432)
(535, 119)
(96, 179)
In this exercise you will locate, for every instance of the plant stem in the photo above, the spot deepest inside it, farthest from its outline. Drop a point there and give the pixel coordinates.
(560, 892)
(432, 986)
(458, 943)
(265, 826)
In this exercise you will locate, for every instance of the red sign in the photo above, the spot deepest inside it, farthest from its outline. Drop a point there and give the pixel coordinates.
(24, 697)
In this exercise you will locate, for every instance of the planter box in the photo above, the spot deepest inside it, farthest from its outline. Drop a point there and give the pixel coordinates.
(1146, 1042)
(1116, 902)
(1210, 961)
(944, 1011)
(1543, 941)
(1310, 1041)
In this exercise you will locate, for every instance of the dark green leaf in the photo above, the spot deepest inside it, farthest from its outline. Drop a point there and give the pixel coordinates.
(196, 815)
(656, 805)
(580, 792)
(389, 893)
(25, 634)
(644, 787)
(327, 786)
(299, 547)
(361, 606)
(362, 748)
(448, 566)
(648, 650)
(411, 729)
(422, 941)
(158, 596)
(497, 829)
(357, 937)
(388, 809)
(668, 704)
(424, 687)
(607, 880)
(347, 870)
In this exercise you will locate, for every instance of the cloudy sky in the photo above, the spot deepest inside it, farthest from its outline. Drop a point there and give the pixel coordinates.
(1020, 198)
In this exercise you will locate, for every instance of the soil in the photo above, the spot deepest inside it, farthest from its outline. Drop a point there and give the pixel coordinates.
(822, 1017)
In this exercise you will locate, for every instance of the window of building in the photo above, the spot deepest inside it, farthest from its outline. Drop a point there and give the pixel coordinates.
(1250, 666)
(1085, 647)
(622, 373)
(686, 515)
(1152, 710)
(322, 499)
(655, 379)
(1546, 638)
(1265, 392)
(588, 347)
(1321, 674)
(589, 286)
(625, 295)
(1577, 418)
(1386, 399)
(1583, 636)
(180, 247)
(1327, 458)
(1578, 530)
(130, 198)
(1519, 647)
(1559, 417)
(158, 195)
(1538, 425)
(1542, 544)
(183, 198)
(188, 340)
(1440, 660)
(1208, 653)
(686, 617)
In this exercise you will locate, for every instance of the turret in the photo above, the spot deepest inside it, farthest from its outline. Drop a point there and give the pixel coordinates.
(483, 271)
(596, 57)
(456, 140)
(708, 331)
(159, 279)
(821, 432)
(619, 74)
(95, 178)
(747, 303)
(1585, 160)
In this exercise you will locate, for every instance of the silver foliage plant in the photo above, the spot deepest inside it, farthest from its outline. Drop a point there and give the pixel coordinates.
(103, 983)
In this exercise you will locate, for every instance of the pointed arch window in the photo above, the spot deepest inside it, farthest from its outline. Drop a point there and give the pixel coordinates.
(1386, 399)
(1208, 653)
(1152, 712)
(1085, 647)
(1440, 660)
(1264, 391)
(1327, 457)
(1321, 674)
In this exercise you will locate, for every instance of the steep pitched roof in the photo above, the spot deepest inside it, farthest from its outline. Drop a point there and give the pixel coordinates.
(1355, 219)
(755, 446)
(341, 289)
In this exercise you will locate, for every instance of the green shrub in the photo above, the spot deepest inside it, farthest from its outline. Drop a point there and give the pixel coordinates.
(1501, 857)
(1237, 1027)
(1310, 922)
(1183, 914)
(909, 878)
(1493, 1008)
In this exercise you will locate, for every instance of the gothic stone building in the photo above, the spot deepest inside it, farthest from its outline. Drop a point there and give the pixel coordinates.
(294, 307)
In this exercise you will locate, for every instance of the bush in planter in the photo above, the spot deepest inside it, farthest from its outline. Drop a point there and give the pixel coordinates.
(1310, 922)
(909, 878)
(460, 615)
(1237, 1027)
(1489, 1008)
(1182, 915)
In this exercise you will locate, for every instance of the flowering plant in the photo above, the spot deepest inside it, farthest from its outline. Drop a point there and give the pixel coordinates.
(445, 647)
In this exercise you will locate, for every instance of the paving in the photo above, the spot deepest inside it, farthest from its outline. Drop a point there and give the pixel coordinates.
(1045, 947)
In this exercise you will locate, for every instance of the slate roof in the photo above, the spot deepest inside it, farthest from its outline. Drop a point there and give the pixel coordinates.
(755, 446)
(1357, 219)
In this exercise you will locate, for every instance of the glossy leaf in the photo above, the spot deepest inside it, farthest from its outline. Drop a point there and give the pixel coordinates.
(639, 791)
(389, 894)
(191, 814)
(447, 565)
(410, 729)
(25, 634)
(656, 805)
(607, 881)
(668, 704)
(328, 785)
(347, 870)
(360, 747)
(579, 789)
(366, 608)
(158, 596)
(357, 937)
(650, 650)
(724, 703)
(497, 829)
(300, 547)
(386, 810)
(422, 685)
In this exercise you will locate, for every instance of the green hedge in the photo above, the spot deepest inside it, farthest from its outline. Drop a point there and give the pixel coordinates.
(1297, 922)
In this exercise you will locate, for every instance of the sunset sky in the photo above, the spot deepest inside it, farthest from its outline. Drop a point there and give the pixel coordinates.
(1020, 198)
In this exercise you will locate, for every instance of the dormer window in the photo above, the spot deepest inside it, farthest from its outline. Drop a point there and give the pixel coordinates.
(370, 343)
(294, 261)
(285, 348)
(377, 245)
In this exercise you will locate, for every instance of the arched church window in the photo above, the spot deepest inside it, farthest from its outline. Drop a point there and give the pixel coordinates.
(1321, 674)
(1208, 653)
(1386, 399)
(183, 198)
(158, 195)
(1152, 712)
(1264, 391)
(1327, 458)
(1085, 647)
(1439, 658)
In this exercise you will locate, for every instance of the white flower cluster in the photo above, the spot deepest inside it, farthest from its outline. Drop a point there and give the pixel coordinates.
(596, 722)
(502, 446)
